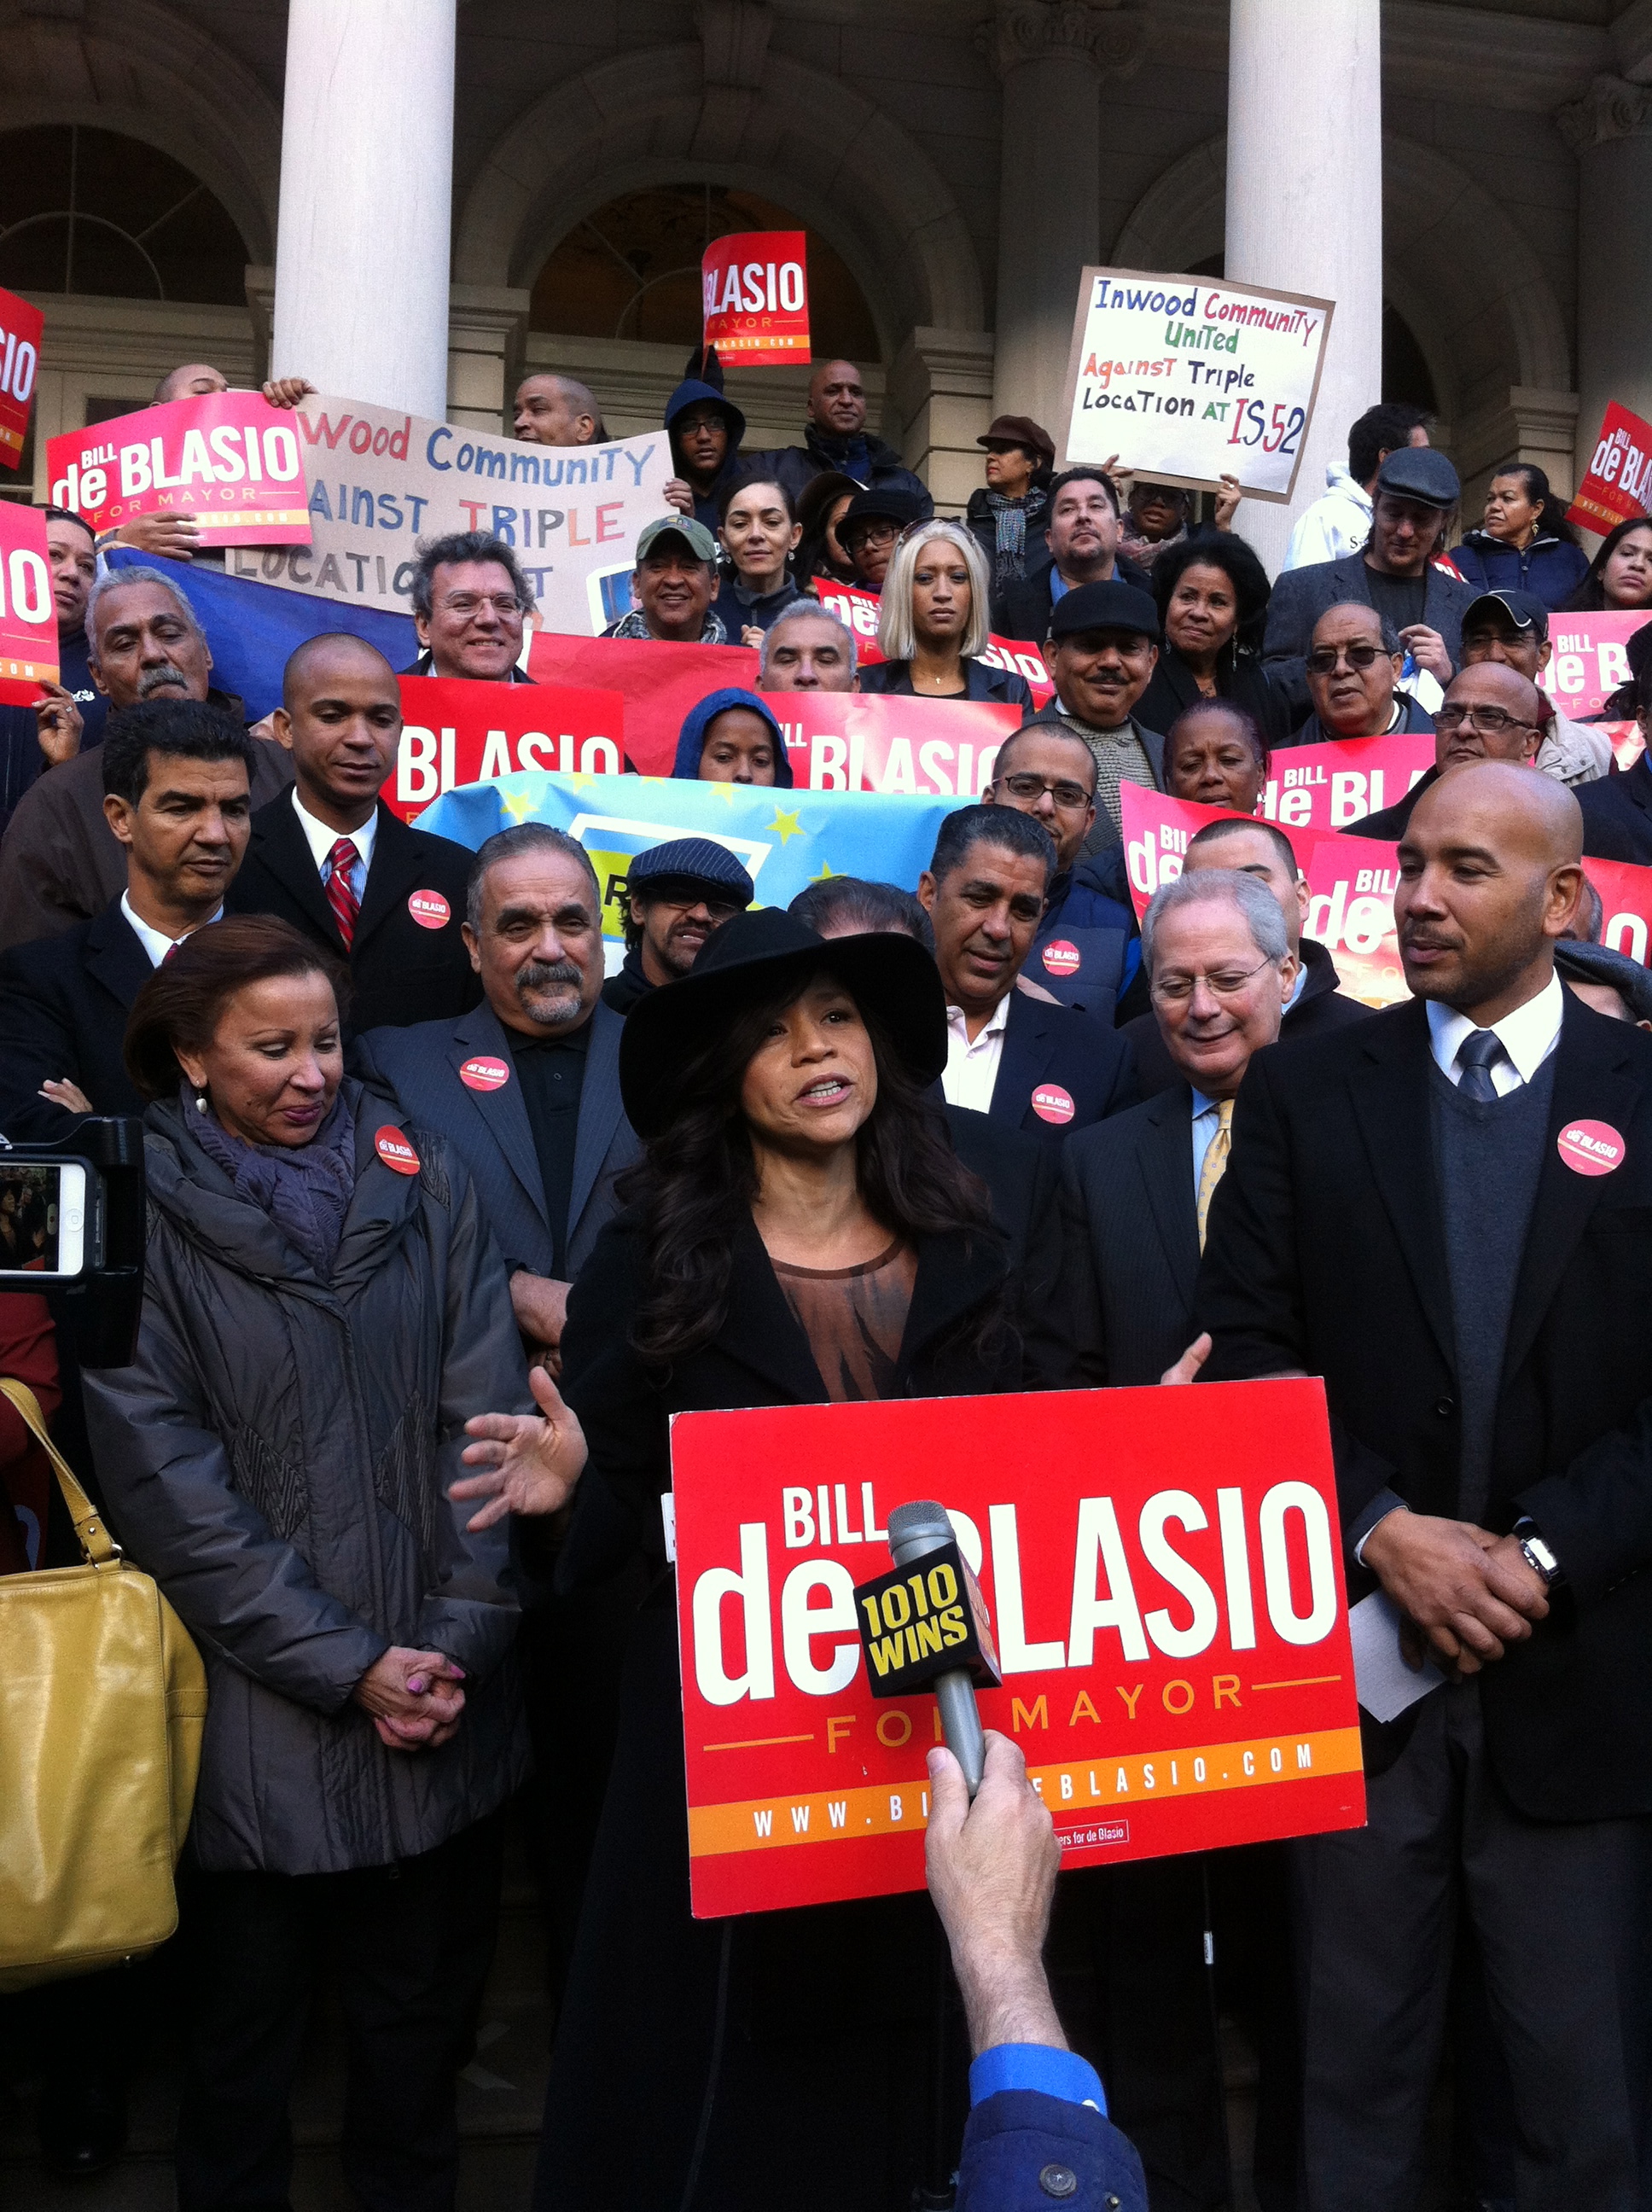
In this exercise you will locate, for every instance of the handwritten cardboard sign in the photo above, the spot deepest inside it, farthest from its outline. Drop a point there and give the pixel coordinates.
(455, 731)
(21, 327)
(28, 616)
(1589, 661)
(380, 480)
(1618, 484)
(839, 741)
(1164, 1570)
(755, 285)
(231, 462)
(1191, 380)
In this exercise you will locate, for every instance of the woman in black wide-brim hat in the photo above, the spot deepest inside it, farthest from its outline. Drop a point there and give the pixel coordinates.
(798, 1230)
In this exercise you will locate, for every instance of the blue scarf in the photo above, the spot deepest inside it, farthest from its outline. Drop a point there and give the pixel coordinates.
(306, 1189)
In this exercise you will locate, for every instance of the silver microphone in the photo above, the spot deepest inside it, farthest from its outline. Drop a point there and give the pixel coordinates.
(914, 1531)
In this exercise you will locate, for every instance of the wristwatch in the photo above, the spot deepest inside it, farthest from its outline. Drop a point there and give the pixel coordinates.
(1537, 1555)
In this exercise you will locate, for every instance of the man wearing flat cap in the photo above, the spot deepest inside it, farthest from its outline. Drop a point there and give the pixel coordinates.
(1394, 572)
(677, 895)
(674, 584)
(1102, 648)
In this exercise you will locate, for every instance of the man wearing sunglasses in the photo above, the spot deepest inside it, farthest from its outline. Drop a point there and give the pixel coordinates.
(1491, 712)
(676, 894)
(1353, 664)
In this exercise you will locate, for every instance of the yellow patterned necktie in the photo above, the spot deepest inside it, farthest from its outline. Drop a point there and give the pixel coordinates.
(1216, 1163)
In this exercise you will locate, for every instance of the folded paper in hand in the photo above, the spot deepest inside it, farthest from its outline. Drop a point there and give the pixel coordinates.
(1383, 1682)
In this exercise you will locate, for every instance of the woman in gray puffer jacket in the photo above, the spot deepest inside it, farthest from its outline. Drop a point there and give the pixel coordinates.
(325, 1311)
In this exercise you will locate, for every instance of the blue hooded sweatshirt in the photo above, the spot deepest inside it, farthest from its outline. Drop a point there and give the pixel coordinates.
(688, 394)
(692, 743)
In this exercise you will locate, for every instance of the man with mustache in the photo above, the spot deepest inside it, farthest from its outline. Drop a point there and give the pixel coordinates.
(1353, 664)
(330, 857)
(676, 894)
(60, 863)
(1445, 1211)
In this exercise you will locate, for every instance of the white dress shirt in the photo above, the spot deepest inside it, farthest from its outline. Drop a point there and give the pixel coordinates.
(155, 942)
(1528, 1036)
(972, 1066)
(321, 838)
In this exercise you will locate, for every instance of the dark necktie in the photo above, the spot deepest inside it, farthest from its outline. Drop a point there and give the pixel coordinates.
(1477, 1055)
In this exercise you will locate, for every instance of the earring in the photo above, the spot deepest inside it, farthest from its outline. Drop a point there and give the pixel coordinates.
(200, 1102)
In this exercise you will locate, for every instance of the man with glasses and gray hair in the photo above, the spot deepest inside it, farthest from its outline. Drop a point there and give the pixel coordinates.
(1136, 1191)
(1489, 712)
(469, 601)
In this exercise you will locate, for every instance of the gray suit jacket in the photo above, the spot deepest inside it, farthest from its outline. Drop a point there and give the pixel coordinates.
(1130, 1243)
(1301, 596)
(489, 1128)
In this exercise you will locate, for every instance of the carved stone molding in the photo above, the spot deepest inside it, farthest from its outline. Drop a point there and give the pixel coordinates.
(734, 36)
(1611, 108)
(1099, 31)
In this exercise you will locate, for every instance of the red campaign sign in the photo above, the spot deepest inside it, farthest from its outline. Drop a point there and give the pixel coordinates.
(658, 683)
(21, 327)
(1590, 660)
(454, 732)
(1350, 883)
(1173, 1632)
(859, 610)
(838, 741)
(1322, 789)
(29, 614)
(1626, 905)
(1617, 482)
(755, 290)
(231, 462)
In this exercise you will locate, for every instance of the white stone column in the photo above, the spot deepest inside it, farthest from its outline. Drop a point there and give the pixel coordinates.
(1304, 205)
(1050, 56)
(367, 172)
(1609, 130)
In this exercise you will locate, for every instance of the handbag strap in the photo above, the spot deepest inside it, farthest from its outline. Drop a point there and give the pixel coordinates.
(99, 1545)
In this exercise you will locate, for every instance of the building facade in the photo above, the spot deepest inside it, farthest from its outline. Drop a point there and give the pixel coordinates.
(412, 201)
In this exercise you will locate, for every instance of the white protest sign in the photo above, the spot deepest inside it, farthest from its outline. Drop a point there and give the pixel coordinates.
(380, 480)
(1189, 380)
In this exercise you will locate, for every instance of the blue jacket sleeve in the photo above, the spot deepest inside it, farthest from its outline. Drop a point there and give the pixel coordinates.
(1025, 2152)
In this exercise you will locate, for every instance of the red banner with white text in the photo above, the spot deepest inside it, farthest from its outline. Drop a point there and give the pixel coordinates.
(21, 327)
(659, 683)
(1617, 482)
(1590, 660)
(1323, 788)
(1164, 1576)
(28, 614)
(755, 287)
(838, 741)
(454, 732)
(231, 462)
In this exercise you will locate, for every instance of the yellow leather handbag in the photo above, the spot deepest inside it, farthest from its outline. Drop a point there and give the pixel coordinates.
(102, 1706)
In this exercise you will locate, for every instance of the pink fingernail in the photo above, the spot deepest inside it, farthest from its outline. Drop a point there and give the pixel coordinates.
(415, 1686)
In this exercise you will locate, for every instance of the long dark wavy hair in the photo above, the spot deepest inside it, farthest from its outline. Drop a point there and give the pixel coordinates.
(696, 1182)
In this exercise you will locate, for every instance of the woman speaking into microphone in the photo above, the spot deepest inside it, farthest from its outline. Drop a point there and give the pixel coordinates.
(797, 1230)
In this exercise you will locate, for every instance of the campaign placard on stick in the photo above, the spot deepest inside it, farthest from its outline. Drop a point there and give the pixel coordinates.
(1189, 380)
(1164, 1579)
(1590, 658)
(380, 480)
(859, 610)
(659, 683)
(755, 288)
(455, 731)
(28, 614)
(1625, 906)
(231, 462)
(839, 741)
(21, 327)
(1617, 482)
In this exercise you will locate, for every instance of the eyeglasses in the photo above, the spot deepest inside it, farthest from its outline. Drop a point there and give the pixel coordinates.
(1492, 721)
(1323, 659)
(506, 606)
(1227, 983)
(1070, 798)
(872, 530)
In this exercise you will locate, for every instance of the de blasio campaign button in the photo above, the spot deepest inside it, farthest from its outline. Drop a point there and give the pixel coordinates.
(1062, 957)
(394, 1150)
(484, 1074)
(429, 909)
(1590, 1148)
(1051, 1104)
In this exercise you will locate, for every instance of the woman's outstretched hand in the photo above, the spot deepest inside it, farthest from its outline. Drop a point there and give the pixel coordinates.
(532, 1466)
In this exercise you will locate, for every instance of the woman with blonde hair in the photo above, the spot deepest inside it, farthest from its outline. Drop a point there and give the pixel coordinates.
(931, 627)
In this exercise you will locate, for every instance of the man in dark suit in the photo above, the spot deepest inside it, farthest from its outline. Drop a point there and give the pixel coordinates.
(1489, 712)
(1078, 545)
(1417, 495)
(1617, 809)
(1257, 849)
(1446, 1212)
(332, 859)
(176, 776)
(470, 602)
(1135, 1191)
(1015, 1053)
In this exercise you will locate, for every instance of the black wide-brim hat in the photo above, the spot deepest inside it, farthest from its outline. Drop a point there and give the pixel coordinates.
(890, 977)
